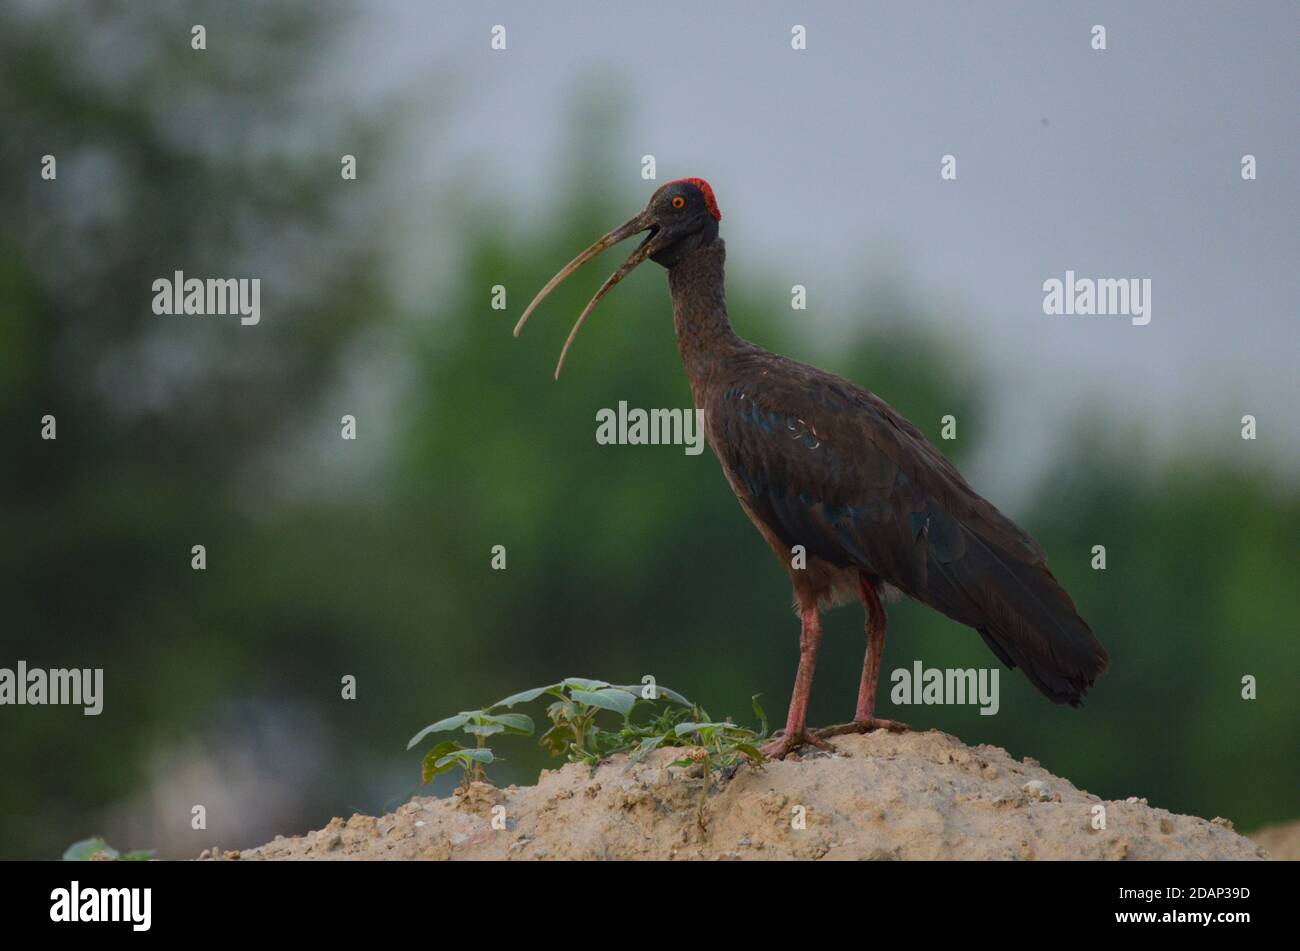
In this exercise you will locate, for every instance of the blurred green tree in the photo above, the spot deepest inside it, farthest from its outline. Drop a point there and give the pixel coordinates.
(167, 159)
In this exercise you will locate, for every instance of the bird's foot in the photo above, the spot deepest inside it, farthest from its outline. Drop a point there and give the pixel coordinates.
(785, 744)
(863, 726)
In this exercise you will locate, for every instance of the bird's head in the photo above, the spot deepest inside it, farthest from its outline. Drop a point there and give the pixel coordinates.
(681, 216)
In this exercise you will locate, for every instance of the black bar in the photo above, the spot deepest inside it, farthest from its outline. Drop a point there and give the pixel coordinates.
(333, 899)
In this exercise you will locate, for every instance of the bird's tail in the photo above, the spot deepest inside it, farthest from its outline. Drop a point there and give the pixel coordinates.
(1026, 618)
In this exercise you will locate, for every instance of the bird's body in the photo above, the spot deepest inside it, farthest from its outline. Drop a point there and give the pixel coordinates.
(729, 376)
(730, 379)
(851, 497)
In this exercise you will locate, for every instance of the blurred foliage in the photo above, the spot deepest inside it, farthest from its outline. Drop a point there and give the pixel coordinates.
(628, 560)
(96, 849)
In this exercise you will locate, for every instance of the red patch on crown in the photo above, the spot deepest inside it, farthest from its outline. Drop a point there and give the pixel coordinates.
(710, 202)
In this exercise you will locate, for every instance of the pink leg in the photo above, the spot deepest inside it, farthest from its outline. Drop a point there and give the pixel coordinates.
(864, 717)
(796, 734)
(875, 651)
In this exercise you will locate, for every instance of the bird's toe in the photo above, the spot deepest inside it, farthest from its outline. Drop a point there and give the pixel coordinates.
(864, 726)
(783, 745)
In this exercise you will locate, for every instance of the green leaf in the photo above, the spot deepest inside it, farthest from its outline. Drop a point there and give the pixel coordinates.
(463, 758)
(608, 698)
(484, 729)
(674, 696)
(556, 740)
(521, 724)
(442, 726)
(753, 752)
(683, 728)
(432, 764)
(524, 696)
(662, 692)
(643, 748)
(760, 713)
(583, 683)
(84, 850)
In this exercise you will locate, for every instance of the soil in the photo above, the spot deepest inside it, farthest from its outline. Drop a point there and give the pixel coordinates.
(1280, 841)
(878, 796)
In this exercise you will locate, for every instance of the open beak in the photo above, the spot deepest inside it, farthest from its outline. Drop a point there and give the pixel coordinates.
(641, 222)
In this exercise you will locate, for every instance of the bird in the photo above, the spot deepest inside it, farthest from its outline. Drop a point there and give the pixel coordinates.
(853, 499)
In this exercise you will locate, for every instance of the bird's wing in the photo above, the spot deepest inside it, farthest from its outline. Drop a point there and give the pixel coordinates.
(810, 466)
(802, 440)
(938, 477)
(827, 465)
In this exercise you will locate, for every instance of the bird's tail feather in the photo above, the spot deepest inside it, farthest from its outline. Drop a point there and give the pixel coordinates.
(1025, 617)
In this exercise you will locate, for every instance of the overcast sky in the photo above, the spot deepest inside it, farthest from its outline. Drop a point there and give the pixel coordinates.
(826, 161)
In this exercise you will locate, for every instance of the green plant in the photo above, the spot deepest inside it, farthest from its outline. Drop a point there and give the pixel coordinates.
(726, 743)
(88, 849)
(479, 724)
(577, 733)
(449, 754)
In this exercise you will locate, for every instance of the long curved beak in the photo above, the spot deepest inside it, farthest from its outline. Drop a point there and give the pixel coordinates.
(641, 222)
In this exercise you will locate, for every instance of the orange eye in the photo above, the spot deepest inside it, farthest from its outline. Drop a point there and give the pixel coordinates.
(679, 202)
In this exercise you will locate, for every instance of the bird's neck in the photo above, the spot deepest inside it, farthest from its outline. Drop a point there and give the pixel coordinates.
(704, 333)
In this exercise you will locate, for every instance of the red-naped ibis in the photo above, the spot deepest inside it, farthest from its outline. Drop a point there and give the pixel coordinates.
(821, 463)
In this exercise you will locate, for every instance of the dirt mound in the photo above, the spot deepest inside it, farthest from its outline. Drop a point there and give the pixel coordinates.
(880, 796)
(1281, 841)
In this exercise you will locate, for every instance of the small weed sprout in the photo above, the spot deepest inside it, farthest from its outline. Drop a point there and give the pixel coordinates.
(479, 724)
(720, 746)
